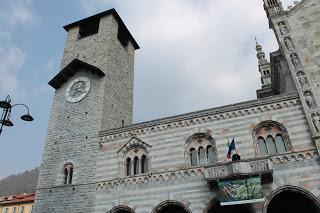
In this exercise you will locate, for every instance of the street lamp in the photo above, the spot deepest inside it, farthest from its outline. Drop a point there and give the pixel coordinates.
(5, 118)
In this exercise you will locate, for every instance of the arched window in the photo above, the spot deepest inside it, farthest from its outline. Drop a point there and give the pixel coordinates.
(201, 149)
(135, 165)
(67, 173)
(262, 147)
(133, 158)
(128, 166)
(65, 176)
(136, 161)
(70, 175)
(271, 145)
(193, 157)
(271, 138)
(281, 147)
(144, 164)
(202, 155)
(210, 155)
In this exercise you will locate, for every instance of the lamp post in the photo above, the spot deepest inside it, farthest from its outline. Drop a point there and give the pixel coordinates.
(5, 118)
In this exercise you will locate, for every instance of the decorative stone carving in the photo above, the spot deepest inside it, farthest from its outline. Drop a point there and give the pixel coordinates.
(289, 44)
(295, 60)
(316, 121)
(283, 28)
(302, 79)
(309, 100)
(228, 170)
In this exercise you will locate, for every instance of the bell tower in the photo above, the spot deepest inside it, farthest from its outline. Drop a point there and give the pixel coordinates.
(265, 72)
(93, 92)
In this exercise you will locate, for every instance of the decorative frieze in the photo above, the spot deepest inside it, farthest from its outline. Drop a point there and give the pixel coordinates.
(294, 156)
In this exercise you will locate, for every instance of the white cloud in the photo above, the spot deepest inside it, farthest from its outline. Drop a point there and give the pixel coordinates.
(12, 61)
(194, 54)
(20, 12)
(14, 13)
(50, 67)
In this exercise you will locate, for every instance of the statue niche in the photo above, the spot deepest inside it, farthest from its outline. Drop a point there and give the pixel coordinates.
(302, 79)
(295, 60)
(289, 44)
(283, 28)
(309, 100)
(316, 121)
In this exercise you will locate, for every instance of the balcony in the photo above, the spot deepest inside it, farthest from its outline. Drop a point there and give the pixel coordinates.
(240, 169)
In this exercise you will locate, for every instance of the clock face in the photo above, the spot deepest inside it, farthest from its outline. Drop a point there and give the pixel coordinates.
(77, 89)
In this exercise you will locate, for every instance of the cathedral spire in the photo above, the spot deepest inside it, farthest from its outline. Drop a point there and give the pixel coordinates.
(265, 72)
(260, 54)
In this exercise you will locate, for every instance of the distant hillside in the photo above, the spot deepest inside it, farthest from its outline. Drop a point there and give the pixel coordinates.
(25, 182)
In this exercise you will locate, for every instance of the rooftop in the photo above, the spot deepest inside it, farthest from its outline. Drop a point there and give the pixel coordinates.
(103, 14)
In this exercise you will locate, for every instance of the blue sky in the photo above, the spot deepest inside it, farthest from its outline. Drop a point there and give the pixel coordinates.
(195, 54)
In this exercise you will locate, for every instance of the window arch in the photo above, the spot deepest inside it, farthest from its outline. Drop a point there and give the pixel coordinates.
(201, 150)
(136, 161)
(133, 158)
(67, 173)
(271, 138)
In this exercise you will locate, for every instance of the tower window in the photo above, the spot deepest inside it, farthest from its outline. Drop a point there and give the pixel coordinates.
(67, 173)
(123, 36)
(89, 28)
(272, 2)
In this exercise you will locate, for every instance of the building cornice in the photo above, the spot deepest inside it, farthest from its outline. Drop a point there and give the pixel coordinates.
(218, 113)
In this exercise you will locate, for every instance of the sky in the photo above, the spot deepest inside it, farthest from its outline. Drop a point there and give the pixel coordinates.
(195, 54)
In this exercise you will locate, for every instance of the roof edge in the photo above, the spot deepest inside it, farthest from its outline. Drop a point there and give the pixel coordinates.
(70, 70)
(103, 14)
(200, 113)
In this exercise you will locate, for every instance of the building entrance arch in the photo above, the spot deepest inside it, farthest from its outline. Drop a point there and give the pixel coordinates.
(121, 209)
(215, 207)
(171, 207)
(291, 199)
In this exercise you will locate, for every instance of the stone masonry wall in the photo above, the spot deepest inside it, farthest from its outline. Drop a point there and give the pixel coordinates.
(171, 177)
(73, 127)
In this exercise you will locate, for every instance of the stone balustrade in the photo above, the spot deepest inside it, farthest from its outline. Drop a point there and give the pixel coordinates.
(240, 168)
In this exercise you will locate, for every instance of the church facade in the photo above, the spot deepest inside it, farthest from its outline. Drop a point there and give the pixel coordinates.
(96, 160)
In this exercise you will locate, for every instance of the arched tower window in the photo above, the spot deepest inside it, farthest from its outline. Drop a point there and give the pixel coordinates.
(201, 150)
(272, 2)
(67, 173)
(271, 138)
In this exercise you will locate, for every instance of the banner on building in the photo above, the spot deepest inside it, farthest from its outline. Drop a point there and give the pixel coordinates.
(240, 191)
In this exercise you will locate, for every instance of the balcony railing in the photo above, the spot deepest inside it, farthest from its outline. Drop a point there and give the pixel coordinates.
(238, 169)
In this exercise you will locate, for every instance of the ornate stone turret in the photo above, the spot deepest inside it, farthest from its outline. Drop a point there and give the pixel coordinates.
(273, 7)
(265, 71)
